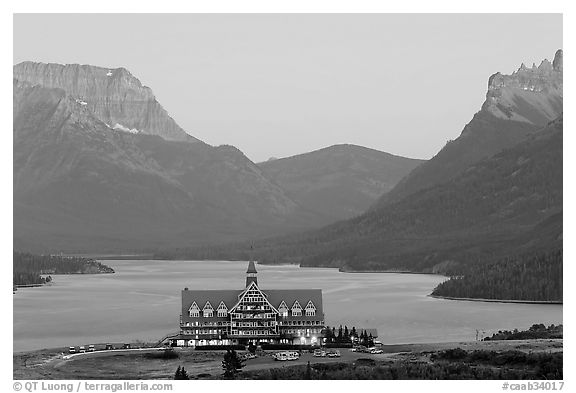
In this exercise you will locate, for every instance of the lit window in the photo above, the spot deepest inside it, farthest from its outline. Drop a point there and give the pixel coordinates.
(208, 310)
(194, 311)
(296, 309)
(283, 309)
(222, 310)
(310, 309)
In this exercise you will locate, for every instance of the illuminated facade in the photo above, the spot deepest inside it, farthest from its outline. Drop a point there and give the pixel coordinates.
(251, 315)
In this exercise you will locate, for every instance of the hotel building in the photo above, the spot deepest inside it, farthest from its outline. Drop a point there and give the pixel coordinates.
(251, 315)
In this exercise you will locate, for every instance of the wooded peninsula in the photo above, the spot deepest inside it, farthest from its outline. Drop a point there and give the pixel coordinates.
(29, 269)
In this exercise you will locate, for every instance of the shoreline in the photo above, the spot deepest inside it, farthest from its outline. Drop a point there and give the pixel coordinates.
(469, 299)
(391, 347)
(389, 272)
(29, 285)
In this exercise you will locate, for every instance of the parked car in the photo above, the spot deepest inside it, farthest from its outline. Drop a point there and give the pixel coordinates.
(293, 355)
(286, 355)
(126, 346)
(109, 347)
(376, 351)
(280, 356)
(91, 348)
(333, 354)
(319, 353)
(72, 349)
(82, 349)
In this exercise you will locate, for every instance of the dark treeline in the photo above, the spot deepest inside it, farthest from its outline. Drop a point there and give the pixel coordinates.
(532, 278)
(536, 331)
(29, 278)
(343, 335)
(28, 268)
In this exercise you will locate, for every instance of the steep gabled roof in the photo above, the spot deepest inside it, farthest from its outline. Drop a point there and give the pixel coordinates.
(252, 286)
(208, 306)
(310, 305)
(290, 296)
(202, 296)
(231, 297)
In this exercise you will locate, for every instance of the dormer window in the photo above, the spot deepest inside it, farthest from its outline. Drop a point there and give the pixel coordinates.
(208, 310)
(194, 311)
(222, 310)
(283, 309)
(296, 309)
(310, 309)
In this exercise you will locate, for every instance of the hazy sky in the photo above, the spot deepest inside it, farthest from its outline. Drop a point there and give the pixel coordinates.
(283, 84)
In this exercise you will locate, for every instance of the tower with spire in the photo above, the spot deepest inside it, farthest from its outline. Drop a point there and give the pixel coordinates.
(251, 274)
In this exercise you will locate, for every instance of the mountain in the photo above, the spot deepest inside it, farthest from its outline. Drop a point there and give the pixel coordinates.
(504, 205)
(114, 95)
(339, 181)
(516, 106)
(83, 184)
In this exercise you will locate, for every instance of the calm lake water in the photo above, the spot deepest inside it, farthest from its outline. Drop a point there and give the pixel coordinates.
(141, 301)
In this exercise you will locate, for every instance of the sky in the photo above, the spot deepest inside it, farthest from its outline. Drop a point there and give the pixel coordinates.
(276, 85)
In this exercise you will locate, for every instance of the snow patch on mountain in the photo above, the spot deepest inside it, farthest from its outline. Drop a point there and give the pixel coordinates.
(120, 127)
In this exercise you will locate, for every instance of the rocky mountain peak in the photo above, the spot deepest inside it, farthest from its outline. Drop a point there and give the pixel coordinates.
(114, 95)
(558, 59)
(532, 95)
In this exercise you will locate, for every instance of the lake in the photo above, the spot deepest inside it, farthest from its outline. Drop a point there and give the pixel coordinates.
(141, 301)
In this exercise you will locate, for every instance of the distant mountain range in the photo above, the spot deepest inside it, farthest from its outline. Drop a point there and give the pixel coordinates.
(494, 192)
(100, 166)
(340, 181)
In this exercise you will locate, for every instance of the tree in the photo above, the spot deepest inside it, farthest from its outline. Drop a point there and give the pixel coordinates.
(308, 374)
(346, 334)
(339, 338)
(232, 364)
(181, 373)
(328, 335)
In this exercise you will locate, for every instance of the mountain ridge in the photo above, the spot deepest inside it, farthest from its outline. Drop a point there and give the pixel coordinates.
(116, 96)
(81, 185)
(515, 107)
(507, 204)
(84, 184)
(339, 181)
